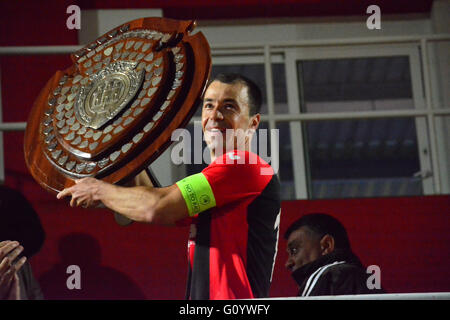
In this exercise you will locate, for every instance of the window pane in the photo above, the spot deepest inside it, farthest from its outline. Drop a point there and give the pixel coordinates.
(442, 137)
(439, 64)
(261, 144)
(355, 84)
(279, 88)
(362, 158)
(286, 171)
(359, 158)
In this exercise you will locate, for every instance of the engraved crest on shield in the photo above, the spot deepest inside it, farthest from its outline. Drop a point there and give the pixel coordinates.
(108, 92)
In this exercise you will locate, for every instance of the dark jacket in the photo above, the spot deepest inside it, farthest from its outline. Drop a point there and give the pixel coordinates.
(29, 287)
(336, 273)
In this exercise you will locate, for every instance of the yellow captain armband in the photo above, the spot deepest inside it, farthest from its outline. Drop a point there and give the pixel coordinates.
(197, 193)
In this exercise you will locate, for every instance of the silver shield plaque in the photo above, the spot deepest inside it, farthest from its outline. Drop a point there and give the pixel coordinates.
(108, 92)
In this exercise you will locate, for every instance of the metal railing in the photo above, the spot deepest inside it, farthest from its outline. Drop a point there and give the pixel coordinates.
(387, 296)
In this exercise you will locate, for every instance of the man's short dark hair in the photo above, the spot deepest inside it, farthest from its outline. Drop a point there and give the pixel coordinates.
(321, 224)
(254, 92)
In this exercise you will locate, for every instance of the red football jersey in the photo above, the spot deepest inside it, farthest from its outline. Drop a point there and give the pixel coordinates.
(232, 246)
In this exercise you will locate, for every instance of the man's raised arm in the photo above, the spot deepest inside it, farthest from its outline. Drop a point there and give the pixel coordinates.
(140, 203)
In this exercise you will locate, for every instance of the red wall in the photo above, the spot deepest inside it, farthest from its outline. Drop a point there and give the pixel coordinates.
(236, 9)
(408, 238)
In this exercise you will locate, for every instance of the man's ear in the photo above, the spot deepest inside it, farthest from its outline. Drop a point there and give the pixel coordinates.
(327, 244)
(254, 121)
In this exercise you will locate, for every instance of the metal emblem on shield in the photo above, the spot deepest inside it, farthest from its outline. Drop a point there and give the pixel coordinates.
(109, 91)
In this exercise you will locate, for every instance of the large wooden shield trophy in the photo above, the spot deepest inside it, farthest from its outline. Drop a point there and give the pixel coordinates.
(112, 112)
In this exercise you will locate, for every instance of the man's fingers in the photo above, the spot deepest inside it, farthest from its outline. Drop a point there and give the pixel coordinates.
(9, 250)
(3, 267)
(6, 278)
(6, 263)
(72, 202)
(14, 254)
(4, 243)
(20, 263)
(69, 192)
(8, 247)
(83, 202)
(79, 202)
(64, 193)
(76, 201)
(80, 193)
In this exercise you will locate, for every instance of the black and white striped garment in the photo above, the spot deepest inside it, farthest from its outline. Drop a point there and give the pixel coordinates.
(336, 273)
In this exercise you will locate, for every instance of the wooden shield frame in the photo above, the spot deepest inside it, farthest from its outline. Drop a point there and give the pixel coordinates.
(113, 111)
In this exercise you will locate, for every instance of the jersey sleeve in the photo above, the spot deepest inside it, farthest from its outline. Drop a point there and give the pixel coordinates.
(237, 175)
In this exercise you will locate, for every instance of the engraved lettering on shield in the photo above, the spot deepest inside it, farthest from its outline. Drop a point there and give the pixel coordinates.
(106, 95)
(110, 90)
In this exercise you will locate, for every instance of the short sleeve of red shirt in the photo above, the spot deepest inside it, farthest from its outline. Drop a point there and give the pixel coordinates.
(237, 175)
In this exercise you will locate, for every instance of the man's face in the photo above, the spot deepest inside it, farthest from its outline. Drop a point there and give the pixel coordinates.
(225, 107)
(303, 247)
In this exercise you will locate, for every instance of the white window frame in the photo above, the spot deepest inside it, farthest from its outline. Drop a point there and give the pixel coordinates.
(294, 55)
